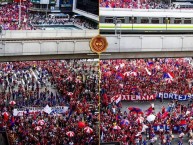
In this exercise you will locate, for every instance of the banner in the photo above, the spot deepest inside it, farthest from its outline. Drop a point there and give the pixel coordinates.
(34, 110)
(174, 96)
(165, 127)
(118, 98)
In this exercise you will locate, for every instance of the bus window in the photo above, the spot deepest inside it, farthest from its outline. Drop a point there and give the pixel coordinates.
(155, 20)
(122, 19)
(144, 20)
(187, 21)
(109, 20)
(177, 21)
(133, 20)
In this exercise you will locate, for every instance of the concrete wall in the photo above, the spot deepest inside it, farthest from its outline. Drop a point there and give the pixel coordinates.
(18, 34)
(149, 43)
(124, 46)
(20, 48)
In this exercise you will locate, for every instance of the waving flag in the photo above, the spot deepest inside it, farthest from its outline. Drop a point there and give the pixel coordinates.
(120, 76)
(130, 73)
(169, 77)
(116, 98)
(149, 111)
(148, 72)
(150, 64)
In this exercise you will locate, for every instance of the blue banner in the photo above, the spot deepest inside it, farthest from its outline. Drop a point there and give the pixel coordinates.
(174, 96)
(165, 127)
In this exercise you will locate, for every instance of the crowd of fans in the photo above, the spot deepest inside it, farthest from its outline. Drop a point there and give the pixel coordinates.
(37, 19)
(145, 77)
(71, 83)
(9, 16)
(136, 4)
(29, 21)
(174, 121)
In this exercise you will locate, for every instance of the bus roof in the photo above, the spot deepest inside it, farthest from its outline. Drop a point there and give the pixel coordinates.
(147, 13)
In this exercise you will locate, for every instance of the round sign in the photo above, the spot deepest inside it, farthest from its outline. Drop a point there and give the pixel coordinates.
(98, 44)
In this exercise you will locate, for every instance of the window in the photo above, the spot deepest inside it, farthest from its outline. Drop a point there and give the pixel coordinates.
(177, 21)
(132, 20)
(122, 19)
(109, 20)
(155, 21)
(144, 20)
(187, 21)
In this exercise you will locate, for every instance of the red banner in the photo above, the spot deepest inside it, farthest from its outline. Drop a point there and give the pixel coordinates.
(118, 98)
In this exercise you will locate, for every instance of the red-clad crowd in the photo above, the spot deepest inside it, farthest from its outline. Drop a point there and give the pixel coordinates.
(32, 20)
(147, 76)
(10, 19)
(31, 84)
(144, 77)
(136, 126)
(135, 4)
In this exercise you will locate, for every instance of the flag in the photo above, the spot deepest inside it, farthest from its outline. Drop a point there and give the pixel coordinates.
(148, 72)
(102, 136)
(116, 98)
(119, 76)
(165, 115)
(47, 109)
(149, 111)
(171, 75)
(168, 75)
(150, 64)
(12, 121)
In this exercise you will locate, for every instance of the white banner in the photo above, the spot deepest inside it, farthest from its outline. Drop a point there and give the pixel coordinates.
(34, 110)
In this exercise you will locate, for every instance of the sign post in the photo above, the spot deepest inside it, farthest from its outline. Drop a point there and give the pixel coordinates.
(98, 45)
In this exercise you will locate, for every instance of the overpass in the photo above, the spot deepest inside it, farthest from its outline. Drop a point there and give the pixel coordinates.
(45, 44)
(69, 44)
(146, 46)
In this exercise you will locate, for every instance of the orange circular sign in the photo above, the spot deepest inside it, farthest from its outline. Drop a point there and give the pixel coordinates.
(98, 44)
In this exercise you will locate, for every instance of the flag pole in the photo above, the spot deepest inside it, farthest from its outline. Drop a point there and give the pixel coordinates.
(19, 13)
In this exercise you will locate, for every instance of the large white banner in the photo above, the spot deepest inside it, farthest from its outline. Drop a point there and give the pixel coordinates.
(34, 110)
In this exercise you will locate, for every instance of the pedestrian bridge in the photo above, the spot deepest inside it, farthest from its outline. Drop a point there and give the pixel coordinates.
(68, 44)
(145, 46)
(45, 44)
